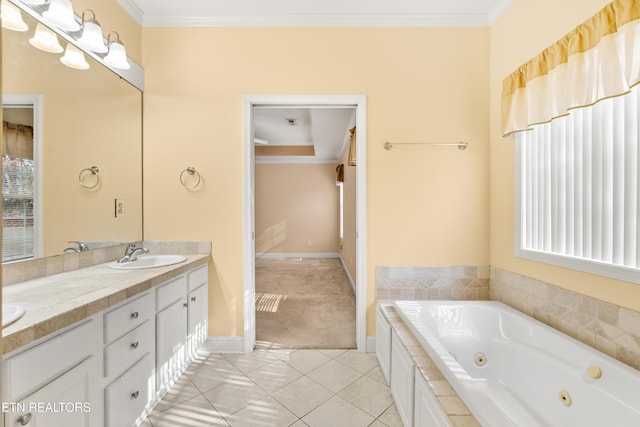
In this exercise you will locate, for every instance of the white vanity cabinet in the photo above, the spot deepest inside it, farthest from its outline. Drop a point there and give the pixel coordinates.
(53, 386)
(197, 310)
(129, 356)
(383, 344)
(402, 379)
(171, 330)
(181, 323)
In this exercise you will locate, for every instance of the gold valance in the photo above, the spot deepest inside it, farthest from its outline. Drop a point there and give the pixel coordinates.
(340, 173)
(351, 161)
(598, 59)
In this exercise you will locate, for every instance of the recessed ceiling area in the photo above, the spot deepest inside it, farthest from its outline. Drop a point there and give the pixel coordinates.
(301, 134)
(155, 13)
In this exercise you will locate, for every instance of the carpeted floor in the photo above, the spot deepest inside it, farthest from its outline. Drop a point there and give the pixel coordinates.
(304, 303)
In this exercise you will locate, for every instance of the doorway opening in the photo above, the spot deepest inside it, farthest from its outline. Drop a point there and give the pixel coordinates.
(271, 240)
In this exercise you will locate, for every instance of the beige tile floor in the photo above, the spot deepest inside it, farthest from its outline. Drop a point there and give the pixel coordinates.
(279, 388)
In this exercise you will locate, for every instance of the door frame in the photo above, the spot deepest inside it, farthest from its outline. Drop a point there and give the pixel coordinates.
(249, 249)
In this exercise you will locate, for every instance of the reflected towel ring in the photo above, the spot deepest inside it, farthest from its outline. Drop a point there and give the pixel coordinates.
(95, 171)
(190, 170)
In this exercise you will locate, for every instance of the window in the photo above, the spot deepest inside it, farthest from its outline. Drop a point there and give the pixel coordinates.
(577, 192)
(21, 165)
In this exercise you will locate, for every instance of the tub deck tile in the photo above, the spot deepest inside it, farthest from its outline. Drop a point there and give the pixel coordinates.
(451, 404)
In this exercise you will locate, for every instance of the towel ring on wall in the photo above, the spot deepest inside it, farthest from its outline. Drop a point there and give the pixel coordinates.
(190, 171)
(93, 171)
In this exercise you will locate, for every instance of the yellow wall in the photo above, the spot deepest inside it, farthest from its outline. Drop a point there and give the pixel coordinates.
(296, 204)
(426, 206)
(522, 32)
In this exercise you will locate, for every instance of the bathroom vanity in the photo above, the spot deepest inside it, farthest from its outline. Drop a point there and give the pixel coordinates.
(102, 355)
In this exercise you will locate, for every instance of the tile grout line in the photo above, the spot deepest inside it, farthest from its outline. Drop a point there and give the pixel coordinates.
(266, 354)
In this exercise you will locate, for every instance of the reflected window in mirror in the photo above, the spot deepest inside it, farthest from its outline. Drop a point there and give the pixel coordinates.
(20, 204)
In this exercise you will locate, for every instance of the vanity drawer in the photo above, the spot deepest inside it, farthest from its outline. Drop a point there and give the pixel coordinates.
(124, 352)
(127, 397)
(171, 292)
(127, 317)
(27, 372)
(198, 277)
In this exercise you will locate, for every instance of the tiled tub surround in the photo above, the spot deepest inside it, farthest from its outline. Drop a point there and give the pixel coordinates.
(56, 301)
(609, 328)
(451, 283)
(451, 404)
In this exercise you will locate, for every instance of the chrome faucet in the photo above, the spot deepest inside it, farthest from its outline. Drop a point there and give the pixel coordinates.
(80, 247)
(130, 253)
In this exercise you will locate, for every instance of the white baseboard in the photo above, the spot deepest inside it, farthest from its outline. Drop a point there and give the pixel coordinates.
(349, 278)
(225, 345)
(297, 255)
(371, 344)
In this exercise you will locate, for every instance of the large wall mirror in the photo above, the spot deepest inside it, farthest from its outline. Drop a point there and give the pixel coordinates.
(72, 152)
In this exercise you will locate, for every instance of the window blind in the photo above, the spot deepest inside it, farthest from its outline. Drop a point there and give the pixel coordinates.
(17, 208)
(578, 189)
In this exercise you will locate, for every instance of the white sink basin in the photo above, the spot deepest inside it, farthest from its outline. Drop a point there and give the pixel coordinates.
(149, 261)
(11, 313)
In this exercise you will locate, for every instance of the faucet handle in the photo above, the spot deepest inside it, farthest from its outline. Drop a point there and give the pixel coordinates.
(81, 246)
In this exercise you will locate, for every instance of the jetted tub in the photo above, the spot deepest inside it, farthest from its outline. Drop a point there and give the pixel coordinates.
(512, 370)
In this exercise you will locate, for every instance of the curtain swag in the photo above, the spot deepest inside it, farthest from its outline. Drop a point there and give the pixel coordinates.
(352, 147)
(599, 59)
(340, 173)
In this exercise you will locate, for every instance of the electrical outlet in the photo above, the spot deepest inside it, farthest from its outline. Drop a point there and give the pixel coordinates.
(309, 243)
(119, 208)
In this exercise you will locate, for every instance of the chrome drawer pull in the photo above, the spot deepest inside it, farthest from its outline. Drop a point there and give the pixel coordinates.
(135, 345)
(135, 394)
(24, 419)
(193, 298)
(134, 315)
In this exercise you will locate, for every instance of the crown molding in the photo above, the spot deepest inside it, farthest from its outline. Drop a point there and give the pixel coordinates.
(320, 20)
(133, 10)
(498, 10)
(291, 160)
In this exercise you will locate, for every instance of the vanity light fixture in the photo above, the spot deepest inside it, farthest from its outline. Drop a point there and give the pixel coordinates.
(45, 39)
(91, 37)
(61, 15)
(12, 17)
(117, 56)
(74, 58)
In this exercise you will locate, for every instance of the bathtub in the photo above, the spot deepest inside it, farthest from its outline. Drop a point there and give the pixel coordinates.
(512, 370)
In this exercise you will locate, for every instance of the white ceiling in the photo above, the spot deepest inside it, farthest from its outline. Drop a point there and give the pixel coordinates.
(327, 129)
(315, 12)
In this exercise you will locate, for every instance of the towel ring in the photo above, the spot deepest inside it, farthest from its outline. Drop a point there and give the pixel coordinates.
(190, 170)
(94, 171)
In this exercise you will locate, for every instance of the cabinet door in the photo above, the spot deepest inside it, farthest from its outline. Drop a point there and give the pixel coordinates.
(427, 411)
(128, 396)
(383, 344)
(63, 402)
(171, 337)
(402, 379)
(197, 319)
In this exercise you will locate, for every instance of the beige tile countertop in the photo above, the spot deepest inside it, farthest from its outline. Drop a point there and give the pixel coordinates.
(60, 300)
